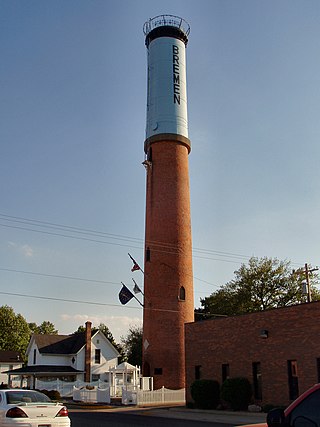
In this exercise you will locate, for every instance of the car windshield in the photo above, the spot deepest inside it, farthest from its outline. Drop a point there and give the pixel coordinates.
(26, 396)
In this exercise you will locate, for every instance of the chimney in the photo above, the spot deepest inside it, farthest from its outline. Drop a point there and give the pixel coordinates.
(87, 375)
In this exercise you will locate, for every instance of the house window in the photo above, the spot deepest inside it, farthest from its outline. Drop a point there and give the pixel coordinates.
(95, 377)
(157, 371)
(293, 381)
(182, 294)
(225, 371)
(97, 356)
(34, 356)
(257, 384)
(148, 255)
(197, 372)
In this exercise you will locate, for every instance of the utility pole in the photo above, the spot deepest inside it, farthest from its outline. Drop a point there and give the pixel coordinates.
(307, 271)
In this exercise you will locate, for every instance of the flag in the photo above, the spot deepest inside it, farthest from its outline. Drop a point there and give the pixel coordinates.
(135, 264)
(136, 288)
(125, 295)
(135, 267)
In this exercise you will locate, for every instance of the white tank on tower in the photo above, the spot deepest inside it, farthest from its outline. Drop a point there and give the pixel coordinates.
(166, 40)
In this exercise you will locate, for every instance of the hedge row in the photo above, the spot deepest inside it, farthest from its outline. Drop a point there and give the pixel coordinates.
(235, 392)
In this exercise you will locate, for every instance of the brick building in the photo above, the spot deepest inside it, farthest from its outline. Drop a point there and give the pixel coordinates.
(277, 350)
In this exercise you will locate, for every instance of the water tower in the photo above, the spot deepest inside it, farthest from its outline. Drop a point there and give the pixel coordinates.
(168, 279)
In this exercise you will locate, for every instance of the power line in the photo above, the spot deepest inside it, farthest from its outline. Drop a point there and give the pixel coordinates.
(58, 276)
(160, 246)
(64, 300)
(83, 302)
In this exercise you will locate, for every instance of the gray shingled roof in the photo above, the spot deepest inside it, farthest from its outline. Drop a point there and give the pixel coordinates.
(60, 344)
(8, 356)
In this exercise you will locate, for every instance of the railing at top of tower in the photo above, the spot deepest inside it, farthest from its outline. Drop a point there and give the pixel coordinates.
(166, 20)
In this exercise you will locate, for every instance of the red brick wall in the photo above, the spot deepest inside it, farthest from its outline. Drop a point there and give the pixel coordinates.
(293, 334)
(168, 237)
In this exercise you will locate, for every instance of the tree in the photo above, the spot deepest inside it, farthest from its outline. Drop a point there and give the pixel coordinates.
(46, 327)
(14, 331)
(265, 283)
(132, 344)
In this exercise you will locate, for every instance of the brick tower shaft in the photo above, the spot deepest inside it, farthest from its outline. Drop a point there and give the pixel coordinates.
(168, 265)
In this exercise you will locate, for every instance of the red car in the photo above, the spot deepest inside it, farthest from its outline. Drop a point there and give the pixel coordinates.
(303, 412)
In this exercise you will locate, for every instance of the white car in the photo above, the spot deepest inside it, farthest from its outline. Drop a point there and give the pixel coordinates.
(29, 408)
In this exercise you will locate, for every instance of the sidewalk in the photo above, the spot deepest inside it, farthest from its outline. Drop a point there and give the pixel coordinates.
(225, 417)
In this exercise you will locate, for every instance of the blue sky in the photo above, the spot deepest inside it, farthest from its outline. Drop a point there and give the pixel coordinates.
(72, 128)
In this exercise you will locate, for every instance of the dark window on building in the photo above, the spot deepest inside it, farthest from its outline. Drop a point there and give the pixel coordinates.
(97, 356)
(157, 371)
(146, 369)
(182, 294)
(148, 254)
(293, 379)
(318, 369)
(225, 370)
(34, 356)
(197, 372)
(149, 155)
(257, 383)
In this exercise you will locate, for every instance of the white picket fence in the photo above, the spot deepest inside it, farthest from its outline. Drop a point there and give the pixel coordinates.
(66, 388)
(102, 393)
(162, 396)
(97, 395)
(155, 397)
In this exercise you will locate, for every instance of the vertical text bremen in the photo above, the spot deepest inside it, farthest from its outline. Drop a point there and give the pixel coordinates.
(176, 74)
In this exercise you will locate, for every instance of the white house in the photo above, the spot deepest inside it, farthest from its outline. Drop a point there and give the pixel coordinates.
(9, 360)
(85, 356)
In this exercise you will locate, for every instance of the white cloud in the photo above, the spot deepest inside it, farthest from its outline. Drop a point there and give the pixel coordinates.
(118, 325)
(23, 249)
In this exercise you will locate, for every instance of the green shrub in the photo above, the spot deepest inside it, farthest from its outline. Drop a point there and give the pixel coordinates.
(205, 393)
(237, 392)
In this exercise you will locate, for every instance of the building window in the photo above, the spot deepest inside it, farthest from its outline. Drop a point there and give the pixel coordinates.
(182, 294)
(148, 254)
(257, 383)
(197, 372)
(225, 371)
(318, 369)
(97, 356)
(95, 377)
(293, 379)
(34, 356)
(157, 371)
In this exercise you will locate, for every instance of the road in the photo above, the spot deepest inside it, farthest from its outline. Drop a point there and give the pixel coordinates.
(132, 419)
